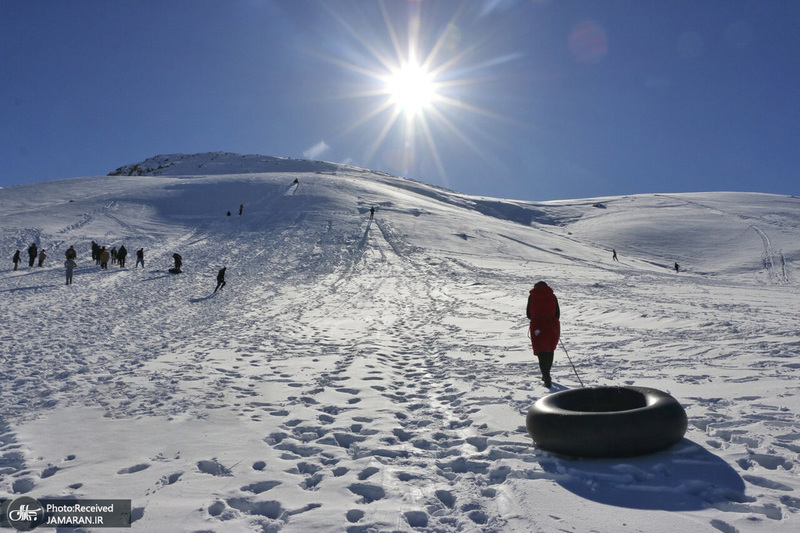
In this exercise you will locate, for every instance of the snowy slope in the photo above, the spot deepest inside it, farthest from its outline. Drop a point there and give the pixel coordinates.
(359, 375)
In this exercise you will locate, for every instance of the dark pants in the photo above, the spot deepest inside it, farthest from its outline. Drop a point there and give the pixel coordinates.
(545, 364)
(220, 284)
(32, 261)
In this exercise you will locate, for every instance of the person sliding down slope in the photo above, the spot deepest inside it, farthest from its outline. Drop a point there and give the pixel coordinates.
(545, 328)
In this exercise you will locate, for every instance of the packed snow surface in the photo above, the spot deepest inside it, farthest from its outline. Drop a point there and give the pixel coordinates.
(361, 374)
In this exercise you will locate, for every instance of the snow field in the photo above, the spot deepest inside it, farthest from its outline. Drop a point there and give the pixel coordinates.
(359, 375)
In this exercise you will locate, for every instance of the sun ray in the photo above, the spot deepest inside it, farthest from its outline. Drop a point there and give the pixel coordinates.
(385, 61)
(482, 112)
(369, 116)
(383, 134)
(442, 120)
(434, 149)
(398, 49)
(440, 42)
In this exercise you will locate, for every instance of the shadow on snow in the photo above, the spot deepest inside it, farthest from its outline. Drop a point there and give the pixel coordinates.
(684, 478)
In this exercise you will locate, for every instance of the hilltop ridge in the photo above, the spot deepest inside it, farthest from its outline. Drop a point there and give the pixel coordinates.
(217, 163)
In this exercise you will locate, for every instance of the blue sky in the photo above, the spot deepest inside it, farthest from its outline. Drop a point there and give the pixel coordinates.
(530, 99)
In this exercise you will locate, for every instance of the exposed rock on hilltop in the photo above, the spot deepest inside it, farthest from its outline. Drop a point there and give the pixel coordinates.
(220, 163)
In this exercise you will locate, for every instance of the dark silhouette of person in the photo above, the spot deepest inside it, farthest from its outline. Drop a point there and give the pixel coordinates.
(371, 212)
(139, 257)
(220, 279)
(178, 262)
(33, 253)
(71, 253)
(42, 257)
(241, 208)
(614, 256)
(677, 267)
(122, 253)
(17, 259)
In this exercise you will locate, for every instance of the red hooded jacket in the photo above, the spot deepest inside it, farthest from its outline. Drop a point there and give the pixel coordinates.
(544, 314)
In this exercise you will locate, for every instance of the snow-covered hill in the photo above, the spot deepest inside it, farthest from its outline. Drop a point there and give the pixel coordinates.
(373, 375)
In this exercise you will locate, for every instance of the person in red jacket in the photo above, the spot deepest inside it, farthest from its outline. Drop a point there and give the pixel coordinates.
(545, 329)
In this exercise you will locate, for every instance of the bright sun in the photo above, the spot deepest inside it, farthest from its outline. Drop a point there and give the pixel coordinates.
(418, 80)
(411, 89)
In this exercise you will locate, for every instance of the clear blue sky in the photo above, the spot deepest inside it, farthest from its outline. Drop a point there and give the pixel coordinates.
(533, 99)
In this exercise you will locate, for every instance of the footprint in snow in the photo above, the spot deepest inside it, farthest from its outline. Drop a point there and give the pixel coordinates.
(368, 492)
(416, 519)
(133, 469)
(214, 468)
(367, 473)
(262, 486)
(171, 479)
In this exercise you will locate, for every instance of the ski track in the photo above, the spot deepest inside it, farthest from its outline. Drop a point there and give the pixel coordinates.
(275, 348)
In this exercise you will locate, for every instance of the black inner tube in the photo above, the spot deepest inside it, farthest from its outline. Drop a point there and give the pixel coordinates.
(606, 421)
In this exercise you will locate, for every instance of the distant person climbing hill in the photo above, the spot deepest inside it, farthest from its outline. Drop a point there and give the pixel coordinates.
(178, 264)
(220, 279)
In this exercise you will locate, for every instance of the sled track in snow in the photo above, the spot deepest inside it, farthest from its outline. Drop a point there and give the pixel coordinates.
(784, 271)
(767, 257)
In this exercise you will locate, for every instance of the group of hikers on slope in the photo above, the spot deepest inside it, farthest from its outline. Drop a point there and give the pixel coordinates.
(100, 255)
(33, 254)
